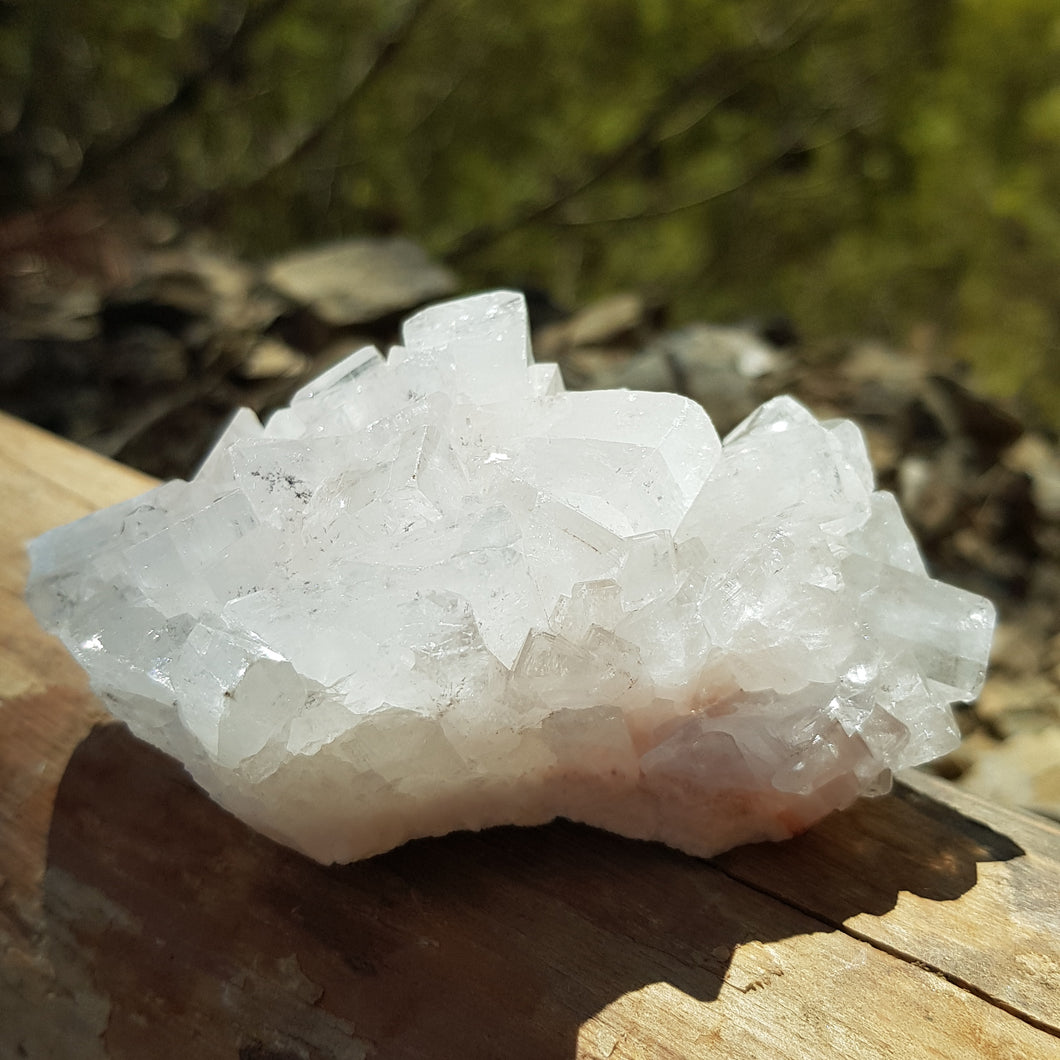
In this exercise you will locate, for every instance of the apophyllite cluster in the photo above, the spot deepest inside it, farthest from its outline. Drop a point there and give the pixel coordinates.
(440, 592)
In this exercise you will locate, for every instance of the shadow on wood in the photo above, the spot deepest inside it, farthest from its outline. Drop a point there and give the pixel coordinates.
(203, 938)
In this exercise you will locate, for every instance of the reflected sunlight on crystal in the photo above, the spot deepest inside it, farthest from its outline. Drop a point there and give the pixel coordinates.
(439, 591)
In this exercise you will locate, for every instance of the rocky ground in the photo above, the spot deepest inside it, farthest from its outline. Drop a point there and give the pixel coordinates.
(143, 354)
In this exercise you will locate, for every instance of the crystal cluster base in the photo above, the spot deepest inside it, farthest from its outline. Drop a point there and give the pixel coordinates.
(440, 592)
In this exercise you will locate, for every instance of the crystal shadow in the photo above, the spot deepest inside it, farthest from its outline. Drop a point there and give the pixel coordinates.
(505, 942)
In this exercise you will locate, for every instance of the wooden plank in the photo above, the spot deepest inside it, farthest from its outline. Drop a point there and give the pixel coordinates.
(138, 919)
(969, 889)
(502, 944)
(62, 467)
(46, 481)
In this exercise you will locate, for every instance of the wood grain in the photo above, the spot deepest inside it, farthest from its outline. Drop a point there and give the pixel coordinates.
(137, 919)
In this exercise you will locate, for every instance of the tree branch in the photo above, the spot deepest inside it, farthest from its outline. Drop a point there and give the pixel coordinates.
(100, 160)
(643, 138)
(312, 137)
(756, 172)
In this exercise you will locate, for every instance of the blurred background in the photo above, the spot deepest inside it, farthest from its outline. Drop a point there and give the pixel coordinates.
(865, 168)
(854, 201)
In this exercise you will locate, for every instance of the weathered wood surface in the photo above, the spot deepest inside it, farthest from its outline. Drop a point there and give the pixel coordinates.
(139, 920)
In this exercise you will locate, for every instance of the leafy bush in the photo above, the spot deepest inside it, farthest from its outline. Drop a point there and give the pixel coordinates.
(861, 166)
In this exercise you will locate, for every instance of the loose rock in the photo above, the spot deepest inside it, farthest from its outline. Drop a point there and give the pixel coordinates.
(360, 280)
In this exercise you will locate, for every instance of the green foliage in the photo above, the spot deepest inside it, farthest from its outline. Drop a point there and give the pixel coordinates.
(861, 166)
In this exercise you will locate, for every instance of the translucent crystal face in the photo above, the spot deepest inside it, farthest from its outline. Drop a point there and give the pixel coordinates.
(438, 591)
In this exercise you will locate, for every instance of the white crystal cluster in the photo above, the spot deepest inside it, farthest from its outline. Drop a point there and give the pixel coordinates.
(440, 592)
